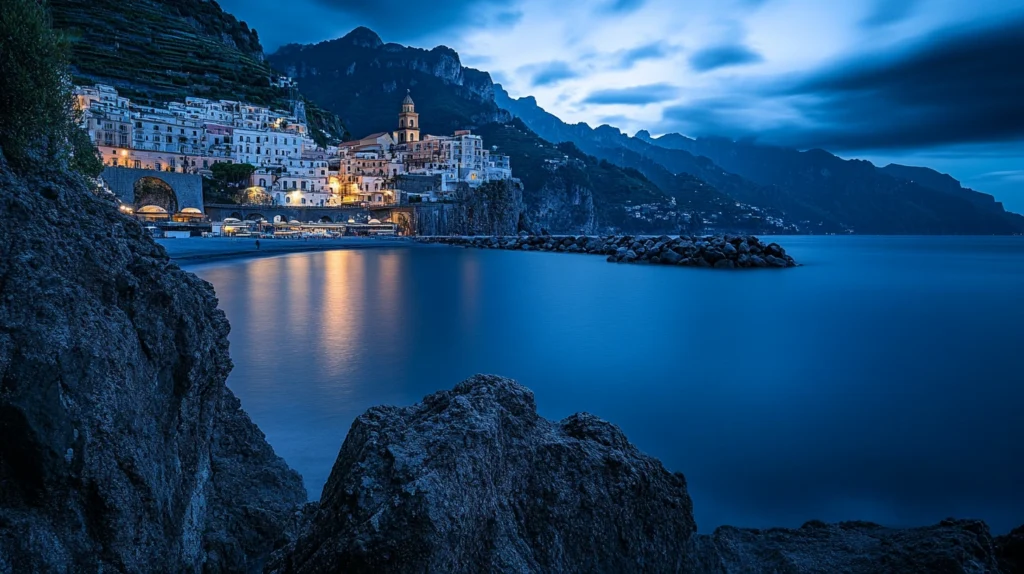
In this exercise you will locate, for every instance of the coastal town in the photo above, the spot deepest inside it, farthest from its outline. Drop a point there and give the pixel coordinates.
(286, 165)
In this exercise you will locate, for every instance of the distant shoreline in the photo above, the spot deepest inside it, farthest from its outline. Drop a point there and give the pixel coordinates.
(197, 250)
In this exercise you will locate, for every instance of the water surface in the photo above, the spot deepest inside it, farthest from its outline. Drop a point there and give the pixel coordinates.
(881, 381)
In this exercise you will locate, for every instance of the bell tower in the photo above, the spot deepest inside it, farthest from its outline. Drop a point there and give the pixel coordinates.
(408, 122)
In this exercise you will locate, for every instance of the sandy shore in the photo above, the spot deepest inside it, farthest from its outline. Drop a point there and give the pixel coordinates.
(203, 249)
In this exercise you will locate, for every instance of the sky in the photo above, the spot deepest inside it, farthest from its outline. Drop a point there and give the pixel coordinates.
(938, 83)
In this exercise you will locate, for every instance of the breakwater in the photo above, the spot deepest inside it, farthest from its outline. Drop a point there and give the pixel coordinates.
(719, 252)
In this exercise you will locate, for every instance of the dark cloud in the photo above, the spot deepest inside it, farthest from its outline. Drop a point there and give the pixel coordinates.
(548, 73)
(653, 51)
(634, 96)
(624, 5)
(885, 12)
(955, 86)
(722, 56)
(405, 20)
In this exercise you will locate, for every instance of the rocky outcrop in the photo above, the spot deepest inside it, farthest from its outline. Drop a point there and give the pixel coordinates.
(493, 208)
(474, 480)
(122, 449)
(722, 252)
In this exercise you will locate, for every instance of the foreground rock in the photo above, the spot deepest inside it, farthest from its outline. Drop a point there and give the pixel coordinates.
(719, 252)
(473, 480)
(120, 447)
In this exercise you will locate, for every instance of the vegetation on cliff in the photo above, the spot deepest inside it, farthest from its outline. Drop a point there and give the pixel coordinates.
(155, 51)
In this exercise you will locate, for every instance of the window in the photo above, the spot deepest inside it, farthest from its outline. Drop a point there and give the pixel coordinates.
(287, 199)
(206, 163)
(303, 200)
(157, 166)
(138, 164)
(263, 182)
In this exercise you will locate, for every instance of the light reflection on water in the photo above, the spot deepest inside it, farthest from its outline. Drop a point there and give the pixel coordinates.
(878, 382)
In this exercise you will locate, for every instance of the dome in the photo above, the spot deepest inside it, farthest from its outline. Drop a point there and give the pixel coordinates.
(408, 99)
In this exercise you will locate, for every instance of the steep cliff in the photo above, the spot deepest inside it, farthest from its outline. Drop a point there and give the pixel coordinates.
(474, 480)
(495, 208)
(122, 448)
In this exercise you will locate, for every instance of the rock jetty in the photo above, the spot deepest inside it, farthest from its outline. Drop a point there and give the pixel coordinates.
(718, 252)
(474, 480)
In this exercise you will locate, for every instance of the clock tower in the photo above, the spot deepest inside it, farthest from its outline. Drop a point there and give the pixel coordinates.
(408, 122)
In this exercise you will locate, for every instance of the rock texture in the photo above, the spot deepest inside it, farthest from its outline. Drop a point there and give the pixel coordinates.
(722, 252)
(473, 480)
(122, 449)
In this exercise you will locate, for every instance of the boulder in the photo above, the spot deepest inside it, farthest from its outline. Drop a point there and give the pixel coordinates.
(474, 480)
(670, 257)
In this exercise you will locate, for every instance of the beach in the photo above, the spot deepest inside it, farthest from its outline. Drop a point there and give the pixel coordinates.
(202, 249)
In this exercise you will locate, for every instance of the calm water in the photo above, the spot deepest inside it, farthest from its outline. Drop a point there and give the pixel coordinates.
(882, 381)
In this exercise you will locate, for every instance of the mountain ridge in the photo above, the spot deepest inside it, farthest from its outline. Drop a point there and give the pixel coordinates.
(862, 199)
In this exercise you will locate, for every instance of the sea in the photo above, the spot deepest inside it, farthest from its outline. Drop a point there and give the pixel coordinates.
(883, 380)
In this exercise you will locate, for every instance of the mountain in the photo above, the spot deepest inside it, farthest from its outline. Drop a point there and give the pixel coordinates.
(815, 189)
(156, 51)
(362, 79)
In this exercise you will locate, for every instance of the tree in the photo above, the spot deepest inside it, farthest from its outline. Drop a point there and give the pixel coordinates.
(232, 174)
(37, 129)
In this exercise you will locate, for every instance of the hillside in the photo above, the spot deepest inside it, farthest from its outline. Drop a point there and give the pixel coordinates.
(815, 189)
(155, 51)
(363, 80)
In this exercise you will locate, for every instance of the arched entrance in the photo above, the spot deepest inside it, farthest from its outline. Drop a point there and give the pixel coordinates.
(236, 215)
(255, 217)
(154, 192)
(153, 213)
(325, 219)
(280, 219)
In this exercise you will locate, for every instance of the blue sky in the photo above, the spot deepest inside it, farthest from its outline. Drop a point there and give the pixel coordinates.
(922, 82)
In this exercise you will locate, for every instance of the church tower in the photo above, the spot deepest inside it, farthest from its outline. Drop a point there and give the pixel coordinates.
(408, 122)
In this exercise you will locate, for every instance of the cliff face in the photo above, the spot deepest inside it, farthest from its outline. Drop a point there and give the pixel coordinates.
(473, 480)
(122, 448)
(495, 208)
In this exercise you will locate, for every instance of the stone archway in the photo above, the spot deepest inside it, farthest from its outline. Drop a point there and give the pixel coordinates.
(280, 219)
(236, 215)
(325, 219)
(153, 192)
(255, 217)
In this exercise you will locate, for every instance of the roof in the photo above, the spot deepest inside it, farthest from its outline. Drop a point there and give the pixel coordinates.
(408, 98)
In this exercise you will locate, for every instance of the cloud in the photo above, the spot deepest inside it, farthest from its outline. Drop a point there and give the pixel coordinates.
(548, 73)
(722, 56)
(405, 20)
(885, 12)
(653, 51)
(634, 96)
(955, 86)
(624, 5)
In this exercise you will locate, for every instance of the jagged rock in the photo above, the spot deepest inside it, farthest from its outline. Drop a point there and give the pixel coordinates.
(120, 447)
(953, 546)
(473, 480)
